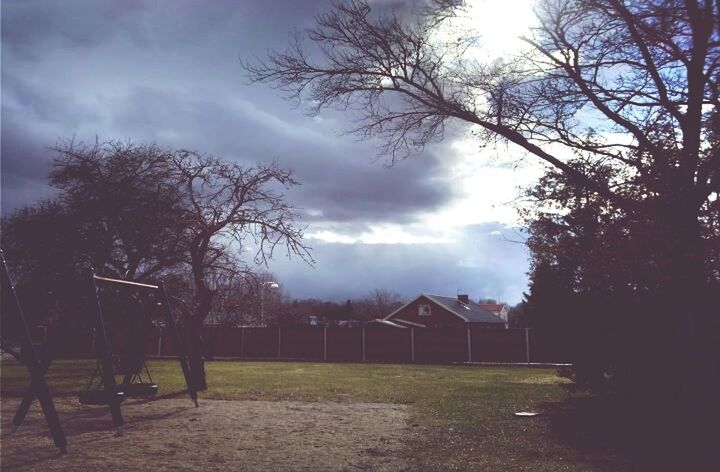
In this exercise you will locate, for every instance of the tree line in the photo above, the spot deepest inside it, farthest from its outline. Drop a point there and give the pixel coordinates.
(242, 306)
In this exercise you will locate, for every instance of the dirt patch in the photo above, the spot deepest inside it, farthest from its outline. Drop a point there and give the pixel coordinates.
(170, 434)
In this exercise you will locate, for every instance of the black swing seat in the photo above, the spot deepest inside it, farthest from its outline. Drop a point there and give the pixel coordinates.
(98, 397)
(140, 389)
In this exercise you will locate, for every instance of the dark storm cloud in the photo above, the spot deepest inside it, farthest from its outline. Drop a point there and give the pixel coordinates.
(169, 72)
(33, 27)
(25, 165)
(339, 177)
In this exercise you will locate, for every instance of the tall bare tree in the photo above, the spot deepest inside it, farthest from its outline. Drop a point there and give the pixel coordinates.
(230, 209)
(114, 208)
(126, 208)
(627, 85)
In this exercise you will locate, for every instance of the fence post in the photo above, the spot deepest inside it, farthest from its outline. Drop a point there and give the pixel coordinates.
(412, 344)
(527, 345)
(469, 345)
(324, 343)
(242, 341)
(279, 340)
(363, 344)
(160, 342)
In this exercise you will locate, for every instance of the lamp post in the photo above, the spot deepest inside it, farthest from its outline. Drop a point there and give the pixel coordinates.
(271, 284)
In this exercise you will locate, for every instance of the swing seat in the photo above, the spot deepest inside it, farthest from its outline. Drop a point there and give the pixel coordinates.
(98, 397)
(141, 389)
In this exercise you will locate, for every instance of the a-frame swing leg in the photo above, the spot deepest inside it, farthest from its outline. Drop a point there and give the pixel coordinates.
(28, 398)
(29, 358)
(102, 352)
(182, 357)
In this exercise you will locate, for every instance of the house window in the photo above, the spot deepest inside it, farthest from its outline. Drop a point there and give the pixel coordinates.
(423, 310)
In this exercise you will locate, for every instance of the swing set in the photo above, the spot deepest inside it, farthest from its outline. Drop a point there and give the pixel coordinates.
(128, 359)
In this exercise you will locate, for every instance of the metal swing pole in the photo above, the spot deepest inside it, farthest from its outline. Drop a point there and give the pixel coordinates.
(102, 353)
(182, 357)
(37, 371)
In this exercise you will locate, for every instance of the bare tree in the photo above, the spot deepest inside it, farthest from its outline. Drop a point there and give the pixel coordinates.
(630, 86)
(115, 207)
(634, 84)
(235, 299)
(251, 299)
(230, 209)
(380, 302)
(125, 208)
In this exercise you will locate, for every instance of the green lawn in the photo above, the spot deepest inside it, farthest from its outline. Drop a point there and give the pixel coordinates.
(461, 416)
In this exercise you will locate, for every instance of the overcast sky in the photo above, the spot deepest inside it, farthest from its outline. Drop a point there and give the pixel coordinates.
(169, 72)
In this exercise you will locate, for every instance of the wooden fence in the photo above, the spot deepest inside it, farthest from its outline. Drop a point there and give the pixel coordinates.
(371, 343)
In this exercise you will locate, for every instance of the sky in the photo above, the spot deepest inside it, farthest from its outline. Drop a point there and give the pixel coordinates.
(169, 72)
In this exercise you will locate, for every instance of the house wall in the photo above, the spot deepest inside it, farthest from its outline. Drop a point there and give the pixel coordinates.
(439, 316)
(504, 314)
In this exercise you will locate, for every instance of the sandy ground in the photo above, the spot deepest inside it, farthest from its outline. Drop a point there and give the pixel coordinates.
(170, 434)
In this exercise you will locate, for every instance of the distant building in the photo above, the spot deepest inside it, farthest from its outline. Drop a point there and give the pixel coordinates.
(498, 309)
(434, 311)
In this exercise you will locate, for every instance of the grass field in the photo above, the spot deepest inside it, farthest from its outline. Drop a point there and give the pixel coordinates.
(461, 417)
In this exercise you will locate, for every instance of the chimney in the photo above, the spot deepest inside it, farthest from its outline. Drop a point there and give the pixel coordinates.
(464, 298)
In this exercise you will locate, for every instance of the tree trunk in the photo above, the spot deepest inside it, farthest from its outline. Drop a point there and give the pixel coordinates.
(197, 359)
(201, 308)
(197, 342)
(686, 370)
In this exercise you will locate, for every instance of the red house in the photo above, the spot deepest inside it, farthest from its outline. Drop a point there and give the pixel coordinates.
(499, 309)
(434, 311)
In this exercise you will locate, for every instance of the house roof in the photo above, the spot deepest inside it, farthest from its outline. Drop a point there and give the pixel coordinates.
(492, 306)
(470, 312)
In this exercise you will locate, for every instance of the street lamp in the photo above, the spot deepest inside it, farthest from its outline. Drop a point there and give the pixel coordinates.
(271, 284)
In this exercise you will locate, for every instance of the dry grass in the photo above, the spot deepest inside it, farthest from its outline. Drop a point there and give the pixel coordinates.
(367, 416)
